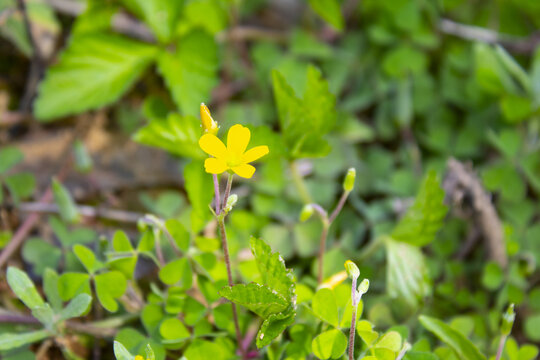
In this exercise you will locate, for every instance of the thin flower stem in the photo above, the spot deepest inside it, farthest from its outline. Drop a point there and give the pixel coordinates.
(221, 222)
(216, 191)
(501, 347)
(339, 206)
(322, 248)
(353, 319)
(227, 191)
(300, 184)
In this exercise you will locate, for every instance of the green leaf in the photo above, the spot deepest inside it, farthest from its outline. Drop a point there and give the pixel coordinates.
(304, 122)
(33, 250)
(272, 269)
(407, 276)
(76, 307)
(9, 157)
(463, 347)
(177, 270)
(203, 350)
(87, 258)
(24, 288)
(50, 288)
(190, 73)
(199, 187)
(256, 297)
(160, 15)
(330, 344)
(20, 185)
(121, 353)
(493, 276)
(404, 60)
(72, 284)
(391, 341)
(94, 70)
(66, 205)
(365, 330)
(179, 233)
(12, 341)
(274, 325)
(330, 11)
(324, 306)
(513, 67)
(179, 135)
(45, 315)
(422, 220)
(532, 327)
(110, 286)
(173, 329)
(491, 74)
(516, 108)
(121, 242)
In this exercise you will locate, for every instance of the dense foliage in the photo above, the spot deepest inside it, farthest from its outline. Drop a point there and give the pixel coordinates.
(366, 185)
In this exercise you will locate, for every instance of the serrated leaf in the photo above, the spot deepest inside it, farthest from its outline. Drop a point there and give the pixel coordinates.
(178, 135)
(274, 325)
(24, 288)
(110, 286)
(255, 297)
(94, 70)
(76, 307)
(407, 275)
(12, 341)
(191, 72)
(272, 269)
(424, 218)
(160, 15)
(304, 122)
(463, 347)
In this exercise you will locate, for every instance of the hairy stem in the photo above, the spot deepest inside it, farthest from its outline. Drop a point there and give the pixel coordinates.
(339, 206)
(353, 319)
(501, 347)
(300, 184)
(216, 191)
(227, 191)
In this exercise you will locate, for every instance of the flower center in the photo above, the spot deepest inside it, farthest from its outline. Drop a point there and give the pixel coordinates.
(234, 160)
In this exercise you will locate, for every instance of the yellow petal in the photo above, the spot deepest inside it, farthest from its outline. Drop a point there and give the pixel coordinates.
(238, 139)
(244, 170)
(208, 123)
(215, 166)
(212, 145)
(255, 153)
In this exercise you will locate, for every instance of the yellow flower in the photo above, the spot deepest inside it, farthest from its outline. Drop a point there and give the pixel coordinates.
(208, 123)
(233, 156)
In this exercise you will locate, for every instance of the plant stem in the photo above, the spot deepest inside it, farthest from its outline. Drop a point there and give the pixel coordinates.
(221, 222)
(227, 191)
(501, 347)
(322, 248)
(300, 184)
(353, 319)
(339, 206)
(216, 191)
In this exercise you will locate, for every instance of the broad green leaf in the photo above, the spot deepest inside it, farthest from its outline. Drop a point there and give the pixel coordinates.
(211, 15)
(20, 185)
(404, 60)
(330, 344)
(94, 70)
(256, 297)
(304, 122)
(462, 346)
(177, 270)
(491, 74)
(121, 353)
(9, 157)
(492, 276)
(179, 233)
(66, 205)
(179, 135)
(72, 284)
(272, 269)
(121, 242)
(87, 258)
(199, 187)
(190, 72)
(532, 327)
(50, 288)
(424, 218)
(12, 341)
(407, 275)
(365, 330)
(110, 286)
(330, 11)
(160, 15)
(324, 306)
(136, 343)
(203, 350)
(274, 325)
(173, 329)
(76, 307)
(24, 288)
(391, 341)
(516, 108)
(33, 250)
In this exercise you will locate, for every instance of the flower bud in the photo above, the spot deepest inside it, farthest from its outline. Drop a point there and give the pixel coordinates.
(352, 269)
(208, 123)
(306, 212)
(363, 287)
(508, 320)
(231, 201)
(348, 183)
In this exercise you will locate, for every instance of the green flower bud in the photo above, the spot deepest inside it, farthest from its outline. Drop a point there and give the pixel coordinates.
(352, 269)
(306, 212)
(508, 320)
(231, 201)
(363, 287)
(348, 183)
